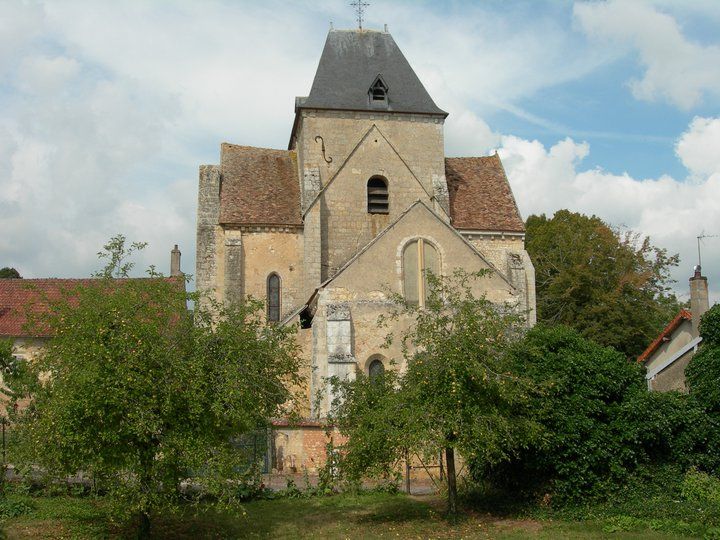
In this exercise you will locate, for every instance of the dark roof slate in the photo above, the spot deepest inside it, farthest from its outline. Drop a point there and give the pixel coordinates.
(259, 186)
(351, 61)
(480, 195)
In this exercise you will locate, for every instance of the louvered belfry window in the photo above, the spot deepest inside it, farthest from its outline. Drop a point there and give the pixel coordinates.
(377, 196)
(273, 297)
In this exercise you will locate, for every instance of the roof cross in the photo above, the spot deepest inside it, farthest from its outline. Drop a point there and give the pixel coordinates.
(359, 6)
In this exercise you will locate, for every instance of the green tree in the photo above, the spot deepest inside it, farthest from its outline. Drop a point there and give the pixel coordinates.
(134, 392)
(9, 273)
(458, 392)
(599, 420)
(611, 286)
(703, 372)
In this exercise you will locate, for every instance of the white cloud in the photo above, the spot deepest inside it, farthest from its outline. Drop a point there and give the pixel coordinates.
(677, 69)
(671, 211)
(699, 147)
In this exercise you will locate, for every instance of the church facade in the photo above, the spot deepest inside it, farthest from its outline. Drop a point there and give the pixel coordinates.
(361, 204)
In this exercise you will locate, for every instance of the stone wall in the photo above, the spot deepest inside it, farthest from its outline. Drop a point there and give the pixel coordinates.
(407, 150)
(209, 232)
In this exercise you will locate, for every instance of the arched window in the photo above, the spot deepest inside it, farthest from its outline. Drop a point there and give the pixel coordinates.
(376, 368)
(273, 297)
(377, 196)
(419, 258)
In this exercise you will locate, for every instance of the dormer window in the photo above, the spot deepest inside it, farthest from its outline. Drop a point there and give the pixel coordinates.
(378, 93)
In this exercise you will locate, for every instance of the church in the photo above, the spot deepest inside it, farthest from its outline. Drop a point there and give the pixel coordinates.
(361, 205)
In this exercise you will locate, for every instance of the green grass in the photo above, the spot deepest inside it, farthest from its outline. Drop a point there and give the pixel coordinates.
(373, 515)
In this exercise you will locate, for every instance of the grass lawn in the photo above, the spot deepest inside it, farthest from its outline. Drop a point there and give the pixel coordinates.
(375, 515)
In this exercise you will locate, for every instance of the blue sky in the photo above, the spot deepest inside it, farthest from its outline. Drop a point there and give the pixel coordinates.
(107, 109)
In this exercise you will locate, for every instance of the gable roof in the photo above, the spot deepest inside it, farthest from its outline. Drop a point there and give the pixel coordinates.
(673, 325)
(480, 195)
(259, 186)
(18, 296)
(351, 61)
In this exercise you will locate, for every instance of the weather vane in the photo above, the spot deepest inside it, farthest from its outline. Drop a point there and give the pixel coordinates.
(359, 6)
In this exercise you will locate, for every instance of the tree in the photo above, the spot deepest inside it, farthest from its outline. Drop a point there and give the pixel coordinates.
(9, 273)
(458, 392)
(611, 286)
(134, 392)
(703, 371)
(600, 422)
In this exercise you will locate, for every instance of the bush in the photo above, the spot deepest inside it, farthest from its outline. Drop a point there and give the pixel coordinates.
(600, 421)
(700, 487)
(703, 372)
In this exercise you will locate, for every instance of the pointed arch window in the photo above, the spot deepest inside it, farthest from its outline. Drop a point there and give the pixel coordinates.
(273, 297)
(378, 93)
(378, 196)
(419, 258)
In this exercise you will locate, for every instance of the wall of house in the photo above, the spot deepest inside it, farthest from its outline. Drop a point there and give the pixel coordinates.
(673, 376)
(678, 339)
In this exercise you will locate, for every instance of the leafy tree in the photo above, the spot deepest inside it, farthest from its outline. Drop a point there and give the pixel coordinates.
(599, 420)
(458, 392)
(703, 372)
(611, 286)
(9, 273)
(135, 393)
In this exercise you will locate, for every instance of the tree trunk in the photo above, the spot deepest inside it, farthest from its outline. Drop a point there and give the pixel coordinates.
(144, 528)
(451, 481)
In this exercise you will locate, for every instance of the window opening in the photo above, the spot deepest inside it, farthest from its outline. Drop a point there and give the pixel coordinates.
(376, 369)
(377, 196)
(273, 297)
(419, 259)
(378, 92)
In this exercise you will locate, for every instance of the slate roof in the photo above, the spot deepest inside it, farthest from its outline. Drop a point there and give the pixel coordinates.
(18, 296)
(259, 186)
(684, 315)
(350, 63)
(480, 195)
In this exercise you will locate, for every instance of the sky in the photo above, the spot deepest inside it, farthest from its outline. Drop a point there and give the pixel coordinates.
(108, 108)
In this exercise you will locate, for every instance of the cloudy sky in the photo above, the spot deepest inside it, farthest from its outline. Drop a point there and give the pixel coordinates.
(107, 109)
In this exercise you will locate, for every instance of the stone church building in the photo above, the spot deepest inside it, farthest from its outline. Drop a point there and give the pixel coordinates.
(361, 204)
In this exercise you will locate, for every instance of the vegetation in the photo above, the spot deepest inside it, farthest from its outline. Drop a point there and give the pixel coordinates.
(369, 515)
(600, 422)
(9, 273)
(146, 401)
(457, 393)
(609, 285)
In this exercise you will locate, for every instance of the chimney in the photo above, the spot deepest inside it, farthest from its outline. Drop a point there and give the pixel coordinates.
(699, 302)
(175, 264)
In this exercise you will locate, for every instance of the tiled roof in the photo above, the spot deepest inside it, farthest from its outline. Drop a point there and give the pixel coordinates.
(480, 195)
(20, 296)
(684, 315)
(259, 186)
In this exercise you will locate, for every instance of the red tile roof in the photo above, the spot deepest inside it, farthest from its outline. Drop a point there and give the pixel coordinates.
(22, 297)
(480, 195)
(18, 297)
(684, 315)
(259, 186)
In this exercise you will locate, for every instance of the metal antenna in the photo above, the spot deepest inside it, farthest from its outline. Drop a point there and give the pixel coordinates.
(703, 235)
(359, 6)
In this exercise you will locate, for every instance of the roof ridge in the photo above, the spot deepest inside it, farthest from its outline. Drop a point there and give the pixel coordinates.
(284, 151)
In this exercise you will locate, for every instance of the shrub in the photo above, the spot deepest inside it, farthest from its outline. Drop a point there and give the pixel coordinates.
(700, 487)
